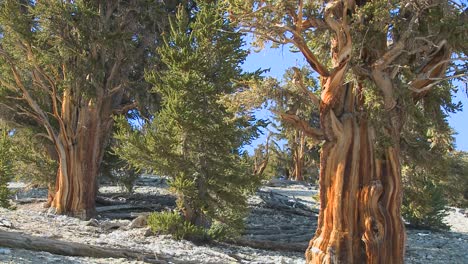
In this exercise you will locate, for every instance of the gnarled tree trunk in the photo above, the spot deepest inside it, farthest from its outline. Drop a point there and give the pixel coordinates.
(84, 131)
(360, 192)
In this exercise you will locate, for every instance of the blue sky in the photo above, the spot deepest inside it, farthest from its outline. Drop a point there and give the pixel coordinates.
(278, 60)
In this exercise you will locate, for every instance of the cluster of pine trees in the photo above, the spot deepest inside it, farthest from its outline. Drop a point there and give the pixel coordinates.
(95, 87)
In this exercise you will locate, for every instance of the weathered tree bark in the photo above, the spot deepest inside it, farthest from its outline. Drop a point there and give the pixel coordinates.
(359, 220)
(360, 188)
(84, 131)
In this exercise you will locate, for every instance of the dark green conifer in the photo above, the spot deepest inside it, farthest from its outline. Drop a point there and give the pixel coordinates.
(194, 139)
(6, 167)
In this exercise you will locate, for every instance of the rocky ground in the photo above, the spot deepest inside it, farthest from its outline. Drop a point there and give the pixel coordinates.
(282, 214)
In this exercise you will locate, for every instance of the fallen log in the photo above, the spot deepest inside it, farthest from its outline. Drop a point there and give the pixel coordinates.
(286, 183)
(121, 215)
(287, 204)
(270, 245)
(109, 201)
(128, 207)
(30, 200)
(28, 242)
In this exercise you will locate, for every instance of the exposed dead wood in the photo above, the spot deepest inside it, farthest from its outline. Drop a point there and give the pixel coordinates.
(109, 201)
(285, 183)
(271, 245)
(28, 242)
(301, 236)
(128, 207)
(286, 204)
(123, 215)
(30, 200)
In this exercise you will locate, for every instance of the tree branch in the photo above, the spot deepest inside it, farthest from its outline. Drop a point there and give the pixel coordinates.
(125, 108)
(433, 69)
(298, 81)
(436, 81)
(42, 117)
(310, 57)
(295, 121)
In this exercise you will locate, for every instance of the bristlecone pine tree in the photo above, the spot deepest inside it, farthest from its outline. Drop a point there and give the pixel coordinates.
(193, 139)
(380, 63)
(68, 67)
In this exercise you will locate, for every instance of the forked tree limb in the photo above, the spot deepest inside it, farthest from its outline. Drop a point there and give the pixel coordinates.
(295, 121)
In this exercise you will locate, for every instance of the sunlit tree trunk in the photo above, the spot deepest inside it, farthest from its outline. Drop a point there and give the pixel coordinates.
(360, 192)
(83, 134)
(360, 188)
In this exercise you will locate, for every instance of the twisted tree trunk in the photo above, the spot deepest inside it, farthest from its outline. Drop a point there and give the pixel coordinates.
(360, 192)
(83, 134)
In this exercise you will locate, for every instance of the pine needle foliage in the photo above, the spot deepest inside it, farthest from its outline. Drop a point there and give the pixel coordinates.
(34, 158)
(424, 205)
(6, 167)
(194, 139)
(66, 68)
(172, 223)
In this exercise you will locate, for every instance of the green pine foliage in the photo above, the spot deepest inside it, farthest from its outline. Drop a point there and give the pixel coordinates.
(194, 139)
(90, 53)
(424, 204)
(456, 180)
(431, 186)
(6, 167)
(117, 170)
(172, 223)
(34, 158)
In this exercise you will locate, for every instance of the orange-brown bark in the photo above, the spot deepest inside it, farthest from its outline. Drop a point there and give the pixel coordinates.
(82, 137)
(360, 196)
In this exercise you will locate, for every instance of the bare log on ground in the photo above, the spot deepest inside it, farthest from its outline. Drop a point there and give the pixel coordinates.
(270, 245)
(108, 201)
(28, 242)
(285, 183)
(30, 200)
(285, 203)
(124, 215)
(128, 207)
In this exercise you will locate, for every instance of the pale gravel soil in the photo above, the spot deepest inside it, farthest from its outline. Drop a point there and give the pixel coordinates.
(423, 246)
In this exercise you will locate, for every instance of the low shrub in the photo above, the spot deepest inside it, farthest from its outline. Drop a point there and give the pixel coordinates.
(172, 223)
